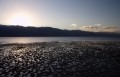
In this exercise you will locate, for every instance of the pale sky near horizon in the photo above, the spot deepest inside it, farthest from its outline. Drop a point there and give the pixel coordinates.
(89, 15)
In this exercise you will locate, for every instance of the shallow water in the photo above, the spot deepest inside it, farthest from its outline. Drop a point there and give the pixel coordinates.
(47, 39)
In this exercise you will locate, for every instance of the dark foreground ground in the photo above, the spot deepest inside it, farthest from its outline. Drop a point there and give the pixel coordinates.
(61, 59)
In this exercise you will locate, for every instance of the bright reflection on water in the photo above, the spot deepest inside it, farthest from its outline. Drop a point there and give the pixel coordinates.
(47, 39)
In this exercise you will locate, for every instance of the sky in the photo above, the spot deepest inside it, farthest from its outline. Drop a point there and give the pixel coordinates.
(87, 15)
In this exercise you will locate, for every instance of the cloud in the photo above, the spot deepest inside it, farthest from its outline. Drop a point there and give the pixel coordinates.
(99, 28)
(110, 27)
(90, 27)
(95, 28)
(74, 25)
(97, 24)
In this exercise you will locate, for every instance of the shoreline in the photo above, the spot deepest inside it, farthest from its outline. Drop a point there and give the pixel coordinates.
(5, 43)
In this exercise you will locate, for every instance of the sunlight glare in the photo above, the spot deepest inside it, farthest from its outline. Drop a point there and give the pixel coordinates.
(21, 19)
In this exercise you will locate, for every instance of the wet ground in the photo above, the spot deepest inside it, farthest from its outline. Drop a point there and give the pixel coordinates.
(61, 59)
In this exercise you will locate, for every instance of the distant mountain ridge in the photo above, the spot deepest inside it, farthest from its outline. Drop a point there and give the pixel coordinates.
(20, 31)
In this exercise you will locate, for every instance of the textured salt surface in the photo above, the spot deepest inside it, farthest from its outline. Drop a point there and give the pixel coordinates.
(61, 59)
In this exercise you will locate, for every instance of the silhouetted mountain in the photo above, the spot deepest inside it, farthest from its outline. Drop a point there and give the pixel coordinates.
(19, 31)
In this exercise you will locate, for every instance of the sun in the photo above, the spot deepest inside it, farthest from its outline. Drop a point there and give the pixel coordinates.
(21, 19)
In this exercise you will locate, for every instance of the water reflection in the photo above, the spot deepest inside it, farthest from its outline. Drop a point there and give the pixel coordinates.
(47, 39)
(21, 40)
(16, 39)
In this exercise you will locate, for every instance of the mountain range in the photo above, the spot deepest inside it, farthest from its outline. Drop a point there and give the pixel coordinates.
(20, 31)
